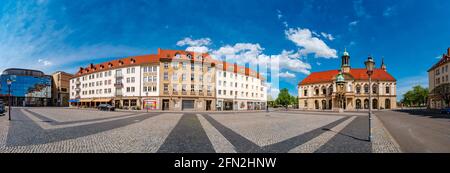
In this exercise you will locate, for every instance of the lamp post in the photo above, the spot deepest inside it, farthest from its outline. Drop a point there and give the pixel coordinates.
(369, 66)
(9, 82)
(146, 102)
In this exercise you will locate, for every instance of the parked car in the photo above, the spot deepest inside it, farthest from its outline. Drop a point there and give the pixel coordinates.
(2, 107)
(445, 111)
(106, 107)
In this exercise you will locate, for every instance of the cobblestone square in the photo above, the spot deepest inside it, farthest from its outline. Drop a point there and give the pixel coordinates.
(62, 130)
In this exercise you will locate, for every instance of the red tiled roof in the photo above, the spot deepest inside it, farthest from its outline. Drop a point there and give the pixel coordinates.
(445, 58)
(357, 74)
(153, 58)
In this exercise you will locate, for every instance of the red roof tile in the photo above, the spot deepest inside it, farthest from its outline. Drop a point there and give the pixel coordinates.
(357, 74)
(153, 58)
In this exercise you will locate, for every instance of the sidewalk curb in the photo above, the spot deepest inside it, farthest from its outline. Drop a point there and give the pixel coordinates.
(389, 135)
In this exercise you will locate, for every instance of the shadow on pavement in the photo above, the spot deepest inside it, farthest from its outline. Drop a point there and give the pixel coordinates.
(425, 113)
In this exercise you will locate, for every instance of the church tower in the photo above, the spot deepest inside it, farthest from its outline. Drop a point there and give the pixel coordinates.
(345, 66)
(383, 66)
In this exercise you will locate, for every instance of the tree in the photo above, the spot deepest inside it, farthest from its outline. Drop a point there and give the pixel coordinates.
(418, 96)
(442, 92)
(284, 98)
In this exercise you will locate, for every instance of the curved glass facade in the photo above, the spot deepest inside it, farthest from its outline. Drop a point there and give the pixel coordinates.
(29, 87)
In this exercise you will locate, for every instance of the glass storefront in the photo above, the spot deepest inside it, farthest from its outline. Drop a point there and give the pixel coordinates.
(28, 88)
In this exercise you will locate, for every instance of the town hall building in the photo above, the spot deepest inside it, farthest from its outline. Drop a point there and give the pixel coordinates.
(347, 89)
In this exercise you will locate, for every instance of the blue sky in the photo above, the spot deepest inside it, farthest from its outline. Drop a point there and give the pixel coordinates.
(306, 36)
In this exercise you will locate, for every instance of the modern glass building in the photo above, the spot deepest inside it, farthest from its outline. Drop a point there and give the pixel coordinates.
(28, 88)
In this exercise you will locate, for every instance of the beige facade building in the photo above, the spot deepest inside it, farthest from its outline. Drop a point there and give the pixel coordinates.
(60, 88)
(439, 84)
(320, 90)
(170, 80)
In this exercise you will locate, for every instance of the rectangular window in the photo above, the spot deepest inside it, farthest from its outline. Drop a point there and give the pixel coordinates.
(166, 87)
(145, 69)
(183, 65)
(192, 88)
(175, 87)
(166, 65)
(145, 89)
(183, 77)
(174, 77)
(192, 77)
(132, 70)
(183, 88)
(166, 76)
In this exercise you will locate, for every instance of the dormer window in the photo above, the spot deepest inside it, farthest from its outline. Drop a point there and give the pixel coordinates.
(189, 56)
(200, 58)
(177, 55)
(133, 60)
(120, 62)
(110, 65)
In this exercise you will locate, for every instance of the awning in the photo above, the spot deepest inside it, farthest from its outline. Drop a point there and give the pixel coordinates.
(74, 100)
(86, 100)
(102, 100)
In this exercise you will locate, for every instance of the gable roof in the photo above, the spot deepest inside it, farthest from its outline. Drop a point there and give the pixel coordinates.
(445, 58)
(357, 74)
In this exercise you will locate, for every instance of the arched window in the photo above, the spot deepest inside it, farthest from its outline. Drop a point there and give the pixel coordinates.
(316, 104)
(374, 89)
(358, 89)
(330, 90)
(330, 104)
(324, 91)
(324, 104)
(366, 104)
(358, 104)
(374, 104)
(388, 89)
(316, 91)
(189, 56)
(387, 104)
(366, 88)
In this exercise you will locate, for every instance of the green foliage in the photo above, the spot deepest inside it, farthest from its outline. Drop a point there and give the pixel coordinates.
(418, 96)
(285, 99)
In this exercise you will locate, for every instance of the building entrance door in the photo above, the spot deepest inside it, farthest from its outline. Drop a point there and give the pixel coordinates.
(208, 105)
(188, 105)
(165, 105)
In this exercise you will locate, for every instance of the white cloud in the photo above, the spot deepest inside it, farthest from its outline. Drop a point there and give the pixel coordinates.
(44, 62)
(328, 36)
(190, 42)
(389, 11)
(360, 10)
(318, 63)
(199, 45)
(353, 23)
(438, 57)
(407, 83)
(279, 15)
(309, 44)
(30, 40)
(287, 75)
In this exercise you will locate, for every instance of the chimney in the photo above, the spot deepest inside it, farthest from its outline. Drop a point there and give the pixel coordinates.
(448, 51)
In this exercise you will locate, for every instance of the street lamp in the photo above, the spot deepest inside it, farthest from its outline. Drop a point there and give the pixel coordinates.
(146, 102)
(369, 66)
(9, 82)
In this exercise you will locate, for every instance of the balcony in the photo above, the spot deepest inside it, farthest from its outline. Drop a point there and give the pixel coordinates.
(209, 94)
(118, 85)
(119, 75)
(77, 89)
(166, 92)
(77, 82)
(192, 93)
(174, 92)
(119, 94)
(184, 92)
(201, 93)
